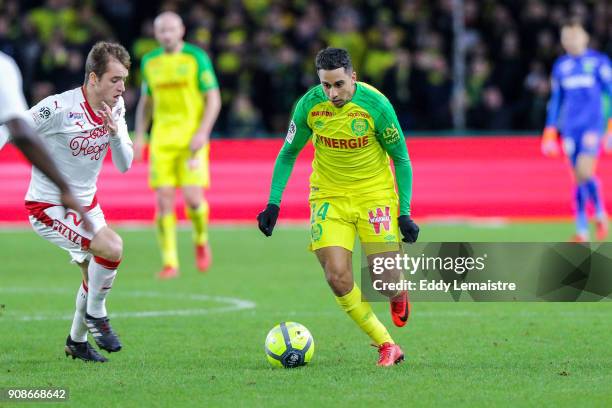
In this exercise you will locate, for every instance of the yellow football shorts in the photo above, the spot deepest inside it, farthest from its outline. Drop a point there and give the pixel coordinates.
(337, 221)
(175, 168)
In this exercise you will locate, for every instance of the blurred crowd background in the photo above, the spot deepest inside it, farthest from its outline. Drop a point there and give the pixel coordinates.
(263, 52)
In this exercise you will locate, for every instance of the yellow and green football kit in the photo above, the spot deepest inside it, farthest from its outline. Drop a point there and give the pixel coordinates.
(175, 82)
(352, 188)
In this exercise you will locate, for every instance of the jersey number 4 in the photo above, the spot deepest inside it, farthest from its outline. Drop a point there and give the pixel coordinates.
(321, 212)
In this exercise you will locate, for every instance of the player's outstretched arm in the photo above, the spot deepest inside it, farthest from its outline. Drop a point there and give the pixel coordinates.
(297, 136)
(403, 173)
(391, 137)
(283, 167)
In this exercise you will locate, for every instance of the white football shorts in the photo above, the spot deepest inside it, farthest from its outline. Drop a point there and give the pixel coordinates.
(64, 228)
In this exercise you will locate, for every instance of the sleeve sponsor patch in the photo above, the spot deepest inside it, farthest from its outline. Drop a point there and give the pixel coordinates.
(391, 135)
(291, 132)
(41, 115)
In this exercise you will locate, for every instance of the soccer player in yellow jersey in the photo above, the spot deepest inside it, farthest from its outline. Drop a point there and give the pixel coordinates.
(180, 90)
(354, 130)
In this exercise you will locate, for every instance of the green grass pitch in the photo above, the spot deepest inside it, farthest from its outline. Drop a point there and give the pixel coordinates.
(198, 340)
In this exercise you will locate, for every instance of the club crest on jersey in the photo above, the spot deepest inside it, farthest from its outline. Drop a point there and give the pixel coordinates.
(359, 127)
(291, 132)
(316, 230)
(182, 69)
(379, 217)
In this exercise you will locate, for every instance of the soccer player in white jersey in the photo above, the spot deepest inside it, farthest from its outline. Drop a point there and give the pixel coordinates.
(12, 111)
(78, 128)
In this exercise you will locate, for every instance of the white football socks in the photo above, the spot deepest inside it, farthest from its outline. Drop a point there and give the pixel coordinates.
(78, 331)
(101, 273)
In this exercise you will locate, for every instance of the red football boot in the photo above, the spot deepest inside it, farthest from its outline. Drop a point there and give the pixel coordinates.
(203, 257)
(602, 229)
(400, 309)
(579, 238)
(389, 354)
(168, 272)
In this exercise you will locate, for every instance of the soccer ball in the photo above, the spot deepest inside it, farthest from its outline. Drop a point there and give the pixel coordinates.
(289, 345)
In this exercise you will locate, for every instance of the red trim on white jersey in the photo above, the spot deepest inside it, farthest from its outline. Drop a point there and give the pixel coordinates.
(90, 114)
(86, 115)
(36, 207)
(94, 202)
(106, 264)
(37, 210)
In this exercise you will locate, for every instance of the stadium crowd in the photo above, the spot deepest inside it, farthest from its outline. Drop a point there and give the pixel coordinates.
(263, 52)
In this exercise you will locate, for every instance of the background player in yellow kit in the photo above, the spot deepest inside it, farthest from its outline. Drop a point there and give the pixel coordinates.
(354, 130)
(180, 89)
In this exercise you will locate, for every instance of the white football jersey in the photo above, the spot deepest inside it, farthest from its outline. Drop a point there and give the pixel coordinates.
(77, 140)
(12, 102)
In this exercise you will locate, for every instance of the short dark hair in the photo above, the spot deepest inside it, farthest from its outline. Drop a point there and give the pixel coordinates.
(573, 21)
(333, 58)
(101, 53)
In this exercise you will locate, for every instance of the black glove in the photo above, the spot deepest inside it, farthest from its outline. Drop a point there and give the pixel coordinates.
(409, 229)
(267, 219)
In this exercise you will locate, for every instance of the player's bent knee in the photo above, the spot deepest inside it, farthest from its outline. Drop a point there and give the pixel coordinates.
(115, 249)
(107, 245)
(193, 204)
(193, 200)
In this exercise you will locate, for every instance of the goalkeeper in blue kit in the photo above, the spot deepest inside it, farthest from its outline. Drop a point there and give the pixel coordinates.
(575, 110)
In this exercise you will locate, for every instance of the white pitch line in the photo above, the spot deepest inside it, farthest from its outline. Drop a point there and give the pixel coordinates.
(233, 304)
